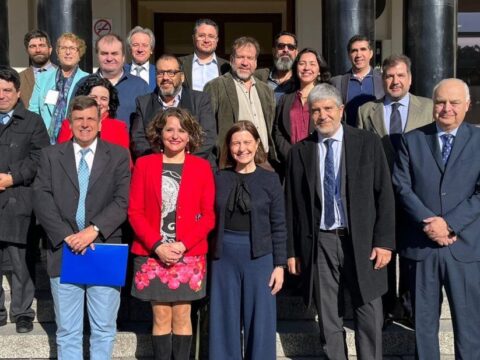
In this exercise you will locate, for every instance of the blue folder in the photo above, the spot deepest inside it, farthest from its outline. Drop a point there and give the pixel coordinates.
(104, 266)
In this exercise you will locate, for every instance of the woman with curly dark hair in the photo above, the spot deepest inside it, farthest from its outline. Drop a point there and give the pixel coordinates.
(171, 212)
(292, 120)
(104, 93)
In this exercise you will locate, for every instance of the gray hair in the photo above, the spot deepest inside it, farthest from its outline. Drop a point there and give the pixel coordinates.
(139, 29)
(441, 82)
(324, 91)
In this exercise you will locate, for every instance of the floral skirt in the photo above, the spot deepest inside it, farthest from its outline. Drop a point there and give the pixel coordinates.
(183, 281)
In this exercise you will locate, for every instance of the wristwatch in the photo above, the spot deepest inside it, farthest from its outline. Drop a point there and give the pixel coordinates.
(95, 227)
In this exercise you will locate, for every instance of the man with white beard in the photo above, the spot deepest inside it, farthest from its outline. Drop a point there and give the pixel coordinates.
(171, 93)
(279, 77)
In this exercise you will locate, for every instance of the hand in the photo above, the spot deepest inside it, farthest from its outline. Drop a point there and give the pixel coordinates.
(6, 180)
(381, 256)
(80, 241)
(293, 264)
(168, 254)
(276, 280)
(179, 246)
(436, 228)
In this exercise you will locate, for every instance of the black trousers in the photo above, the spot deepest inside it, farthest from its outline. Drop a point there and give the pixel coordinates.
(334, 271)
(22, 288)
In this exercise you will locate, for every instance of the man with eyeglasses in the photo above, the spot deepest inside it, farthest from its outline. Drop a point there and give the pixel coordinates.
(141, 43)
(39, 49)
(279, 77)
(203, 65)
(171, 93)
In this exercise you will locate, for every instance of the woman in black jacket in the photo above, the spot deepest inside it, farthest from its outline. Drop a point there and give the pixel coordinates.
(249, 250)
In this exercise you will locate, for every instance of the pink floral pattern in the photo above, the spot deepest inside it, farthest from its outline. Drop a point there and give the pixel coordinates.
(189, 270)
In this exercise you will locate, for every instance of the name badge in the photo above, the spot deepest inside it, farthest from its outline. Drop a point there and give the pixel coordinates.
(52, 97)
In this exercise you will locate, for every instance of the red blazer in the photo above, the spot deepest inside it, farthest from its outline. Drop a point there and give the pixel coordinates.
(195, 204)
(113, 131)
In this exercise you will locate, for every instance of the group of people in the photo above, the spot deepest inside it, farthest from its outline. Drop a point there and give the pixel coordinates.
(235, 174)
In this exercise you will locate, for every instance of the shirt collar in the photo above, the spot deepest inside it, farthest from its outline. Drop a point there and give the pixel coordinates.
(441, 132)
(370, 73)
(197, 59)
(403, 101)
(92, 147)
(178, 97)
(241, 82)
(338, 136)
(146, 66)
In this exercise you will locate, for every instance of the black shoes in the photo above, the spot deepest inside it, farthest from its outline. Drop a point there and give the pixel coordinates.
(24, 324)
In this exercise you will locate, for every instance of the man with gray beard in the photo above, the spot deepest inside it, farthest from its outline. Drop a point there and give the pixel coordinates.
(279, 77)
(171, 93)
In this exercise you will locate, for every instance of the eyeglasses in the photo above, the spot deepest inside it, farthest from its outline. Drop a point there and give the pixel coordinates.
(206, 36)
(169, 73)
(291, 47)
(69, 48)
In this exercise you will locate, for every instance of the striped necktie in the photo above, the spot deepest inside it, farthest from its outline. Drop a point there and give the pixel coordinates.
(83, 176)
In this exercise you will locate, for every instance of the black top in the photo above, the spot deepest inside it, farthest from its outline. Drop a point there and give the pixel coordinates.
(237, 214)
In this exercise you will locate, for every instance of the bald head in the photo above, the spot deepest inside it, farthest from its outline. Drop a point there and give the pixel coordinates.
(451, 100)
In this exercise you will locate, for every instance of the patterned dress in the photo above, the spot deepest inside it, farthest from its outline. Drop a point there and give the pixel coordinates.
(156, 281)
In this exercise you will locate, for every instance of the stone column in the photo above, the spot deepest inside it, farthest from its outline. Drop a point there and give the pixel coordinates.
(431, 42)
(4, 53)
(59, 16)
(341, 20)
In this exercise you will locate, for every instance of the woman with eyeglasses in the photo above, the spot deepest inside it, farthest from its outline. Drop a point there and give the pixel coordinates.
(54, 87)
(292, 119)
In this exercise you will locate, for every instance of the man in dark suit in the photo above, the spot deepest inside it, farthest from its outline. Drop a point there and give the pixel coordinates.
(340, 223)
(81, 198)
(396, 113)
(437, 179)
(141, 43)
(237, 95)
(171, 93)
(203, 65)
(38, 47)
(361, 83)
(22, 135)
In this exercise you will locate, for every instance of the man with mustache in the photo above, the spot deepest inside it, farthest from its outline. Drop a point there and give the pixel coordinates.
(279, 77)
(38, 47)
(171, 93)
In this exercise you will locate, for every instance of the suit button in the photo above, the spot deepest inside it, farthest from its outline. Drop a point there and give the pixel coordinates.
(444, 193)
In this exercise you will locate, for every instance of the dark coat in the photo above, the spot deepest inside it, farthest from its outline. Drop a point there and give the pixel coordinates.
(369, 205)
(56, 195)
(267, 216)
(187, 61)
(196, 102)
(20, 143)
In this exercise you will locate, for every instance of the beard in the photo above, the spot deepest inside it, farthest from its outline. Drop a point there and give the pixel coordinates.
(283, 63)
(174, 90)
(39, 60)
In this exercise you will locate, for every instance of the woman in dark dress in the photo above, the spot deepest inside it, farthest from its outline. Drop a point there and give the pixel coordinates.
(249, 250)
(171, 212)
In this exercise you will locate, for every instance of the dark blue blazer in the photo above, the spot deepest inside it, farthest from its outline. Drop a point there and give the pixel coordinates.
(152, 75)
(267, 216)
(426, 187)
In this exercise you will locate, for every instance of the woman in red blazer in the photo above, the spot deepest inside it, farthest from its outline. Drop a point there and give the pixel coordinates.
(171, 212)
(112, 130)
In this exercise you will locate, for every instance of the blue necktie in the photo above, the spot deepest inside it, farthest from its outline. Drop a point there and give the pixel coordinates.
(4, 119)
(329, 186)
(447, 140)
(395, 120)
(83, 175)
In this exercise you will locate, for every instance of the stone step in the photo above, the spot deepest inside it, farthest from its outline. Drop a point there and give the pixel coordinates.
(295, 339)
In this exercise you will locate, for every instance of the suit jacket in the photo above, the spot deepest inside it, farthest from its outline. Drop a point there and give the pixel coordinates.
(152, 75)
(187, 61)
(369, 206)
(45, 82)
(20, 143)
(56, 195)
(426, 187)
(341, 83)
(27, 83)
(194, 208)
(225, 105)
(370, 117)
(196, 102)
(281, 131)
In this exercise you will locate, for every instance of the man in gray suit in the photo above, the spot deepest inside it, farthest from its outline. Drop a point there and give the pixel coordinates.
(396, 113)
(238, 96)
(81, 198)
(203, 65)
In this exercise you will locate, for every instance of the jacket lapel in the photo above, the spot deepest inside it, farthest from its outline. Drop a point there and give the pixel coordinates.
(377, 120)
(231, 94)
(310, 163)
(67, 161)
(100, 163)
(353, 150)
(414, 119)
(461, 139)
(432, 142)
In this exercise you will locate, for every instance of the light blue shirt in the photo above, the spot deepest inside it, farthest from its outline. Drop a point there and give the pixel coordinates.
(176, 101)
(403, 109)
(337, 158)
(7, 118)
(440, 132)
(203, 73)
(36, 70)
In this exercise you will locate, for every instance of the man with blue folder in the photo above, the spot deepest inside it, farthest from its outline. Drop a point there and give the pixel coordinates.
(80, 197)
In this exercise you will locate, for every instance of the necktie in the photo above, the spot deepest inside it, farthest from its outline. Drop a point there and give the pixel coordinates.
(138, 70)
(395, 120)
(4, 119)
(83, 175)
(447, 140)
(329, 186)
